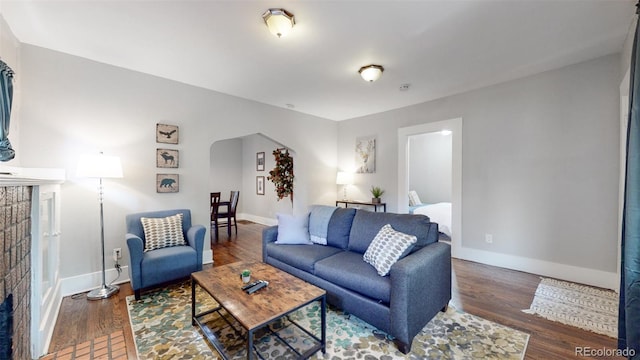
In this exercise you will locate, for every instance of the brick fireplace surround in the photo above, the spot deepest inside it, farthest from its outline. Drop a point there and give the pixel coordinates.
(15, 262)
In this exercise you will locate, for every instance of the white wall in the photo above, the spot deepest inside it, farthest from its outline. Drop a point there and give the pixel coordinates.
(430, 162)
(74, 106)
(540, 162)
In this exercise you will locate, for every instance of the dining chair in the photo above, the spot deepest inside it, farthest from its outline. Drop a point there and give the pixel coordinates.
(223, 213)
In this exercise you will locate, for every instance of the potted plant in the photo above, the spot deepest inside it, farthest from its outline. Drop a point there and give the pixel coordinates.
(376, 191)
(246, 275)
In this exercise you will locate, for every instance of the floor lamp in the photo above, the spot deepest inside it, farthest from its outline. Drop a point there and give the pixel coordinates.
(100, 166)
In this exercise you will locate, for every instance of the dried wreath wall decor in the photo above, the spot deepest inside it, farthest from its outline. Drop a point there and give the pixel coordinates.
(282, 174)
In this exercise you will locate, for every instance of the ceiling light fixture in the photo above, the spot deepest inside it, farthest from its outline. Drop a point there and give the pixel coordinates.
(371, 72)
(279, 21)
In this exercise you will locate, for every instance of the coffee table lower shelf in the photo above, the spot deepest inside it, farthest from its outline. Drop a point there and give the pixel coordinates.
(251, 348)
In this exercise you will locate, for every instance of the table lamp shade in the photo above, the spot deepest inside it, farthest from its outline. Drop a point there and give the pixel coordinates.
(344, 178)
(99, 166)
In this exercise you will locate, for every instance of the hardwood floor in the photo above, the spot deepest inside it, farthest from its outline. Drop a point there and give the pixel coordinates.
(493, 293)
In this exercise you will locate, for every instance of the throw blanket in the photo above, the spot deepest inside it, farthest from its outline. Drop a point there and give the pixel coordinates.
(319, 223)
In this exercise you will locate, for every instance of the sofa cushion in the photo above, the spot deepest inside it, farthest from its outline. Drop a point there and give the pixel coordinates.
(347, 269)
(293, 229)
(388, 247)
(340, 227)
(302, 257)
(366, 225)
(162, 232)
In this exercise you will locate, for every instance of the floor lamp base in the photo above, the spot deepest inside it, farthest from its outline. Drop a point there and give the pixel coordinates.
(103, 292)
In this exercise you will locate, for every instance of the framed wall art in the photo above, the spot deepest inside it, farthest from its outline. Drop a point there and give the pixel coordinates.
(167, 158)
(260, 161)
(366, 155)
(260, 185)
(167, 134)
(167, 183)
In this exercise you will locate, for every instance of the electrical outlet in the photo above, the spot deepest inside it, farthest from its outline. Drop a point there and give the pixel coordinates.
(488, 238)
(117, 254)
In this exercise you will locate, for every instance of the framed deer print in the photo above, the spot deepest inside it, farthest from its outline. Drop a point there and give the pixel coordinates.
(167, 158)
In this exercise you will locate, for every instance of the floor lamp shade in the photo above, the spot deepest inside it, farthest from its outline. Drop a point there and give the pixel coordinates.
(100, 166)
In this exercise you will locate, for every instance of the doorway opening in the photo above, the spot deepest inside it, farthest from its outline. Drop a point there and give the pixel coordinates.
(233, 165)
(437, 184)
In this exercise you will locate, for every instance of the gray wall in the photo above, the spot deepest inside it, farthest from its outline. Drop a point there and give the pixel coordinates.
(430, 161)
(73, 106)
(540, 162)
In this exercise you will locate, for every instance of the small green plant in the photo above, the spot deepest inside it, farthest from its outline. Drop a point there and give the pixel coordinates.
(376, 191)
(246, 272)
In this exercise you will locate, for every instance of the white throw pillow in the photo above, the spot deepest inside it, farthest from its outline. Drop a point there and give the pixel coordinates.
(388, 247)
(293, 229)
(414, 199)
(162, 232)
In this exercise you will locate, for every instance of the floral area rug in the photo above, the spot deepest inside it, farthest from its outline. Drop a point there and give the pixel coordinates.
(162, 329)
(577, 305)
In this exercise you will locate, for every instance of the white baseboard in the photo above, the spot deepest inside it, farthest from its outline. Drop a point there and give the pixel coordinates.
(85, 282)
(207, 257)
(258, 219)
(599, 278)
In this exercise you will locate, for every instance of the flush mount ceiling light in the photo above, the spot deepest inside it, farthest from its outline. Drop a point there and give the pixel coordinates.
(371, 72)
(279, 21)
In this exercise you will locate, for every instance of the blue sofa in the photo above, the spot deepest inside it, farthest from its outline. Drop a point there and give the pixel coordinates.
(401, 303)
(147, 269)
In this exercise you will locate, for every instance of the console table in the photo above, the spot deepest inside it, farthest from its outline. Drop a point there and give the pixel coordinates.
(355, 202)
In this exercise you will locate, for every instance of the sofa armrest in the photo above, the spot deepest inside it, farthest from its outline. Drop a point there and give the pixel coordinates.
(269, 235)
(420, 287)
(136, 253)
(195, 239)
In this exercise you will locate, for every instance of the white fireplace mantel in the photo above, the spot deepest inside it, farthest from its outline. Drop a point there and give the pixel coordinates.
(11, 175)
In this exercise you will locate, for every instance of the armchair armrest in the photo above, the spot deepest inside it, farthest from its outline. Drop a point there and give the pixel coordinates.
(136, 252)
(269, 235)
(195, 239)
(420, 287)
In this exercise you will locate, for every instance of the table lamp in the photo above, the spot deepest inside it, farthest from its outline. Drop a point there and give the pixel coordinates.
(346, 179)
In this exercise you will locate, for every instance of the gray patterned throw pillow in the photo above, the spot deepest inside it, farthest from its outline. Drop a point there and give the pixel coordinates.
(388, 247)
(162, 232)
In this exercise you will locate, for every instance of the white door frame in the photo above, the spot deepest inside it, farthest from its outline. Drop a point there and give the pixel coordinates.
(455, 126)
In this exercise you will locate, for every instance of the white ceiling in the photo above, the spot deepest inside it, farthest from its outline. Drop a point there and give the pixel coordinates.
(439, 47)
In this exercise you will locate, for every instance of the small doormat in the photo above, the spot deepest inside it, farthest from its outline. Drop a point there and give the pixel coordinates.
(577, 305)
(162, 329)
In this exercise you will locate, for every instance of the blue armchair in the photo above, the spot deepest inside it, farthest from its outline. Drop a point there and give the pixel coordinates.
(147, 269)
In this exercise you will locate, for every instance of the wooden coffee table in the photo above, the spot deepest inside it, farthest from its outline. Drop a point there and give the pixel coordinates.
(284, 295)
